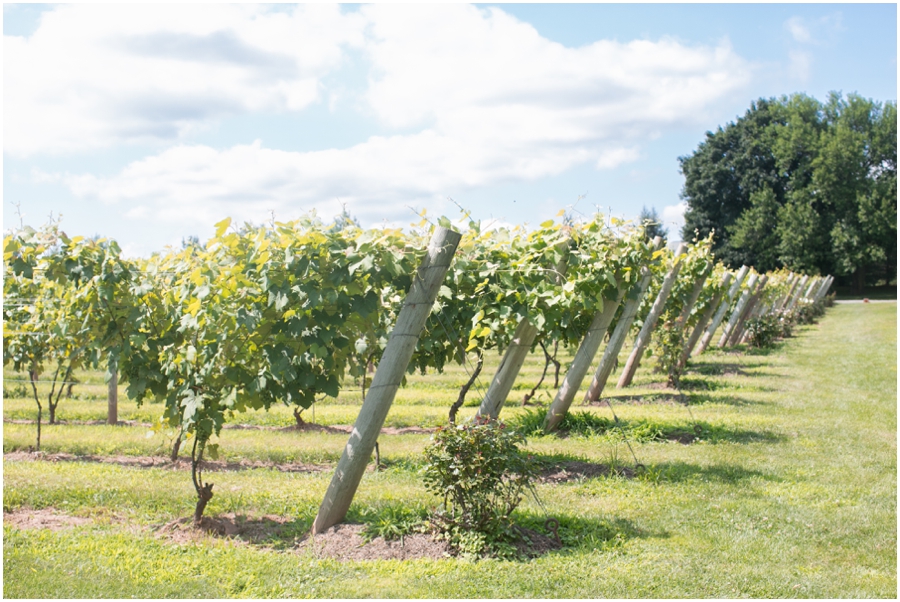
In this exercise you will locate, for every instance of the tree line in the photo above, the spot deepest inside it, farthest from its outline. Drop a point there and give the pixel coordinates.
(800, 184)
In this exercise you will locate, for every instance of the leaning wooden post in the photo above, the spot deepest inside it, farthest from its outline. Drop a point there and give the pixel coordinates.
(797, 293)
(722, 310)
(112, 399)
(738, 311)
(602, 319)
(582, 362)
(387, 379)
(795, 280)
(514, 357)
(617, 339)
(808, 295)
(738, 335)
(704, 319)
(695, 294)
(823, 290)
(643, 338)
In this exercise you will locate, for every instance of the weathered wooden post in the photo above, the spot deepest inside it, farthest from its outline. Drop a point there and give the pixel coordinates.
(738, 334)
(112, 399)
(643, 338)
(798, 293)
(704, 319)
(812, 286)
(823, 290)
(394, 361)
(591, 343)
(794, 280)
(695, 294)
(722, 310)
(514, 357)
(738, 311)
(582, 362)
(617, 339)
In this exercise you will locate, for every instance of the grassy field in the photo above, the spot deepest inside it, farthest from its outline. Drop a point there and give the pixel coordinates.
(790, 490)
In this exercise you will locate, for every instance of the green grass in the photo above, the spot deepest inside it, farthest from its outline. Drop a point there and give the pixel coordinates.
(790, 492)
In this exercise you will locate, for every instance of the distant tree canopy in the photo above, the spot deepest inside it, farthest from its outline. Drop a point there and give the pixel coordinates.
(800, 184)
(652, 224)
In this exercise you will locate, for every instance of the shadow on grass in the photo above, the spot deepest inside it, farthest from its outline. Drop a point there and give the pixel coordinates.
(677, 472)
(276, 532)
(578, 533)
(696, 399)
(588, 424)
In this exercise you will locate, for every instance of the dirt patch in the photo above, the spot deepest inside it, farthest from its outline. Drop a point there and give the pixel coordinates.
(683, 438)
(165, 462)
(534, 544)
(267, 529)
(576, 470)
(47, 518)
(345, 542)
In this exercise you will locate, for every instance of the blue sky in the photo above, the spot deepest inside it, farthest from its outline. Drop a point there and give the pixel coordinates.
(151, 123)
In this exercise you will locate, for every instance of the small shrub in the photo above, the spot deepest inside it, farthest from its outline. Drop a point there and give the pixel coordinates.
(830, 299)
(481, 475)
(764, 330)
(808, 312)
(670, 344)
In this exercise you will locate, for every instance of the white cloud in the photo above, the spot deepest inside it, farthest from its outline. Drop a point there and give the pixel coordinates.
(477, 98)
(673, 219)
(798, 30)
(818, 31)
(93, 76)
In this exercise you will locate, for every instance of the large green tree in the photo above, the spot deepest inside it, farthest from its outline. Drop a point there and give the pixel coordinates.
(800, 184)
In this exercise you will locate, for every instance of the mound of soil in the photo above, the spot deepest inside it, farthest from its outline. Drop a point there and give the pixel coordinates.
(345, 542)
(253, 530)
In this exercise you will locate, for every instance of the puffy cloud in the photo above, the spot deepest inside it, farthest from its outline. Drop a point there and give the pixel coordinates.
(476, 98)
(673, 219)
(93, 76)
(798, 30)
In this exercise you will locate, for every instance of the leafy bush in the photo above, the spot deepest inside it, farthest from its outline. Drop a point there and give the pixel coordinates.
(764, 330)
(670, 344)
(808, 312)
(481, 475)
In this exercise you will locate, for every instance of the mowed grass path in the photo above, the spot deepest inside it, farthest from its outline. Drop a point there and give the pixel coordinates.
(790, 492)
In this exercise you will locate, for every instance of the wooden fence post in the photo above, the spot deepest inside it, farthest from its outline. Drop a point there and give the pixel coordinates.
(514, 357)
(695, 294)
(798, 293)
(738, 311)
(566, 394)
(394, 361)
(724, 304)
(749, 311)
(112, 399)
(782, 303)
(823, 290)
(643, 338)
(617, 339)
(582, 362)
(704, 319)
